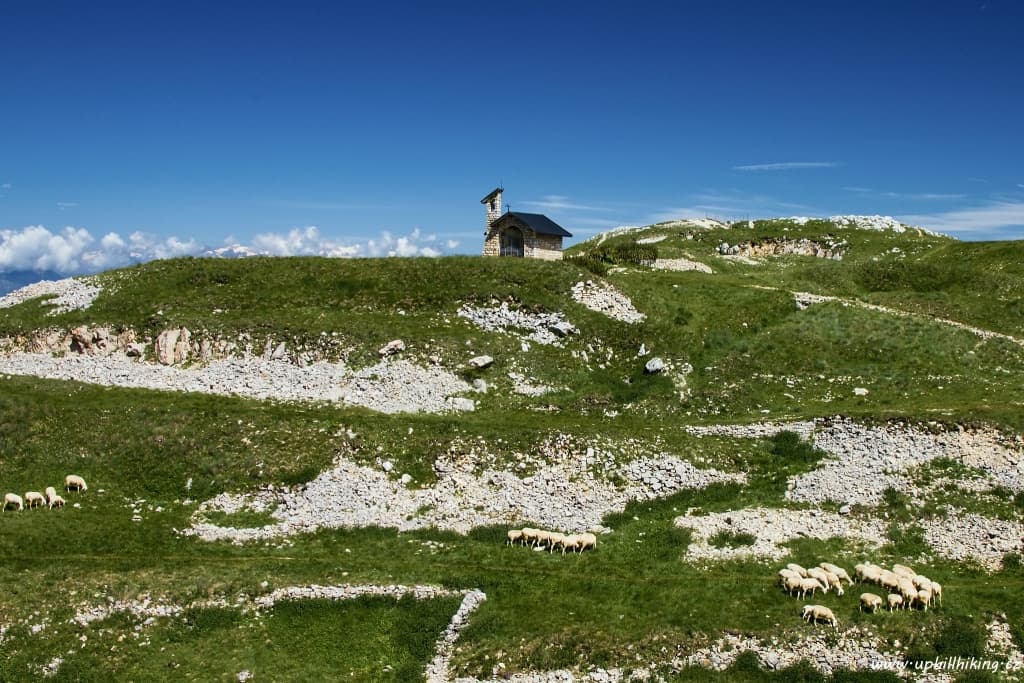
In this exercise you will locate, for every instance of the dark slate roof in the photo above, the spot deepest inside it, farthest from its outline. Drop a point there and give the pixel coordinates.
(539, 223)
(493, 192)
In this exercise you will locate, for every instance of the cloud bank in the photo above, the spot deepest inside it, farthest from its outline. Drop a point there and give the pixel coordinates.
(996, 220)
(74, 251)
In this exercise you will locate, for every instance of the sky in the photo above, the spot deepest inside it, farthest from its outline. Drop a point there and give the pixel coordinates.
(144, 130)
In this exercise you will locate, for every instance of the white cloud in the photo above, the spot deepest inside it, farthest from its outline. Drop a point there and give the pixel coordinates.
(66, 205)
(788, 166)
(74, 250)
(991, 219)
(5, 186)
(1020, 185)
(923, 195)
(554, 202)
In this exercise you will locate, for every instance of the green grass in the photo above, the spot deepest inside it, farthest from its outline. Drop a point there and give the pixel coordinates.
(754, 357)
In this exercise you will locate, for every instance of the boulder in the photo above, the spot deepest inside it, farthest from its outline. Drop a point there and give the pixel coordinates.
(654, 366)
(172, 346)
(391, 348)
(562, 328)
(481, 362)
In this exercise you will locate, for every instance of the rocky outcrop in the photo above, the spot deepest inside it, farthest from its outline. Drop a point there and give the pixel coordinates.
(830, 250)
(604, 298)
(172, 346)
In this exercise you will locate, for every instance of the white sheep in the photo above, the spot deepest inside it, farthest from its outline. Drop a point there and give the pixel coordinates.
(821, 575)
(922, 582)
(792, 566)
(868, 572)
(905, 570)
(52, 499)
(555, 539)
(34, 499)
(588, 541)
(870, 602)
(835, 582)
(13, 499)
(542, 538)
(937, 591)
(529, 536)
(889, 580)
(73, 481)
(896, 601)
(811, 585)
(907, 588)
(787, 573)
(923, 598)
(514, 535)
(570, 542)
(820, 612)
(838, 571)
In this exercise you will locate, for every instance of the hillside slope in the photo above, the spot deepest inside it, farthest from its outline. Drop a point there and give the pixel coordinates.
(249, 433)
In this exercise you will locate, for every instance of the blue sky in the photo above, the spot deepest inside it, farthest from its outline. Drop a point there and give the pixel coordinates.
(151, 129)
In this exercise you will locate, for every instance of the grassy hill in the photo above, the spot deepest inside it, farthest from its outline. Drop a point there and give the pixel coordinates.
(153, 456)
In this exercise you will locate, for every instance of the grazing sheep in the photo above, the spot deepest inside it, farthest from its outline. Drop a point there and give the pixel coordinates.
(889, 580)
(922, 582)
(787, 573)
(820, 612)
(905, 570)
(792, 566)
(555, 539)
(835, 582)
(868, 572)
(529, 536)
(73, 481)
(56, 502)
(34, 499)
(907, 588)
(570, 542)
(895, 601)
(937, 591)
(923, 598)
(588, 541)
(13, 499)
(870, 602)
(811, 585)
(542, 538)
(838, 571)
(792, 583)
(514, 535)
(821, 575)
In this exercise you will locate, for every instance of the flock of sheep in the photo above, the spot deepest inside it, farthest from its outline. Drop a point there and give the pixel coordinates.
(538, 538)
(32, 499)
(906, 587)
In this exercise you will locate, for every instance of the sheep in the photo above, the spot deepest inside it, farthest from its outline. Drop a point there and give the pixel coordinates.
(820, 612)
(787, 573)
(870, 602)
(905, 570)
(529, 536)
(792, 583)
(868, 572)
(907, 588)
(541, 538)
(895, 601)
(922, 582)
(514, 535)
(923, 598)
(838, 571)
(797, 568)
(73, 481)
(821, 575)
(13, 499)
(34, 499)
(889, 580)
(811, 585)
(570, 542)
(835, 582)
(56, 502)
(937, 591)
(588, 540)
(555, 539)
